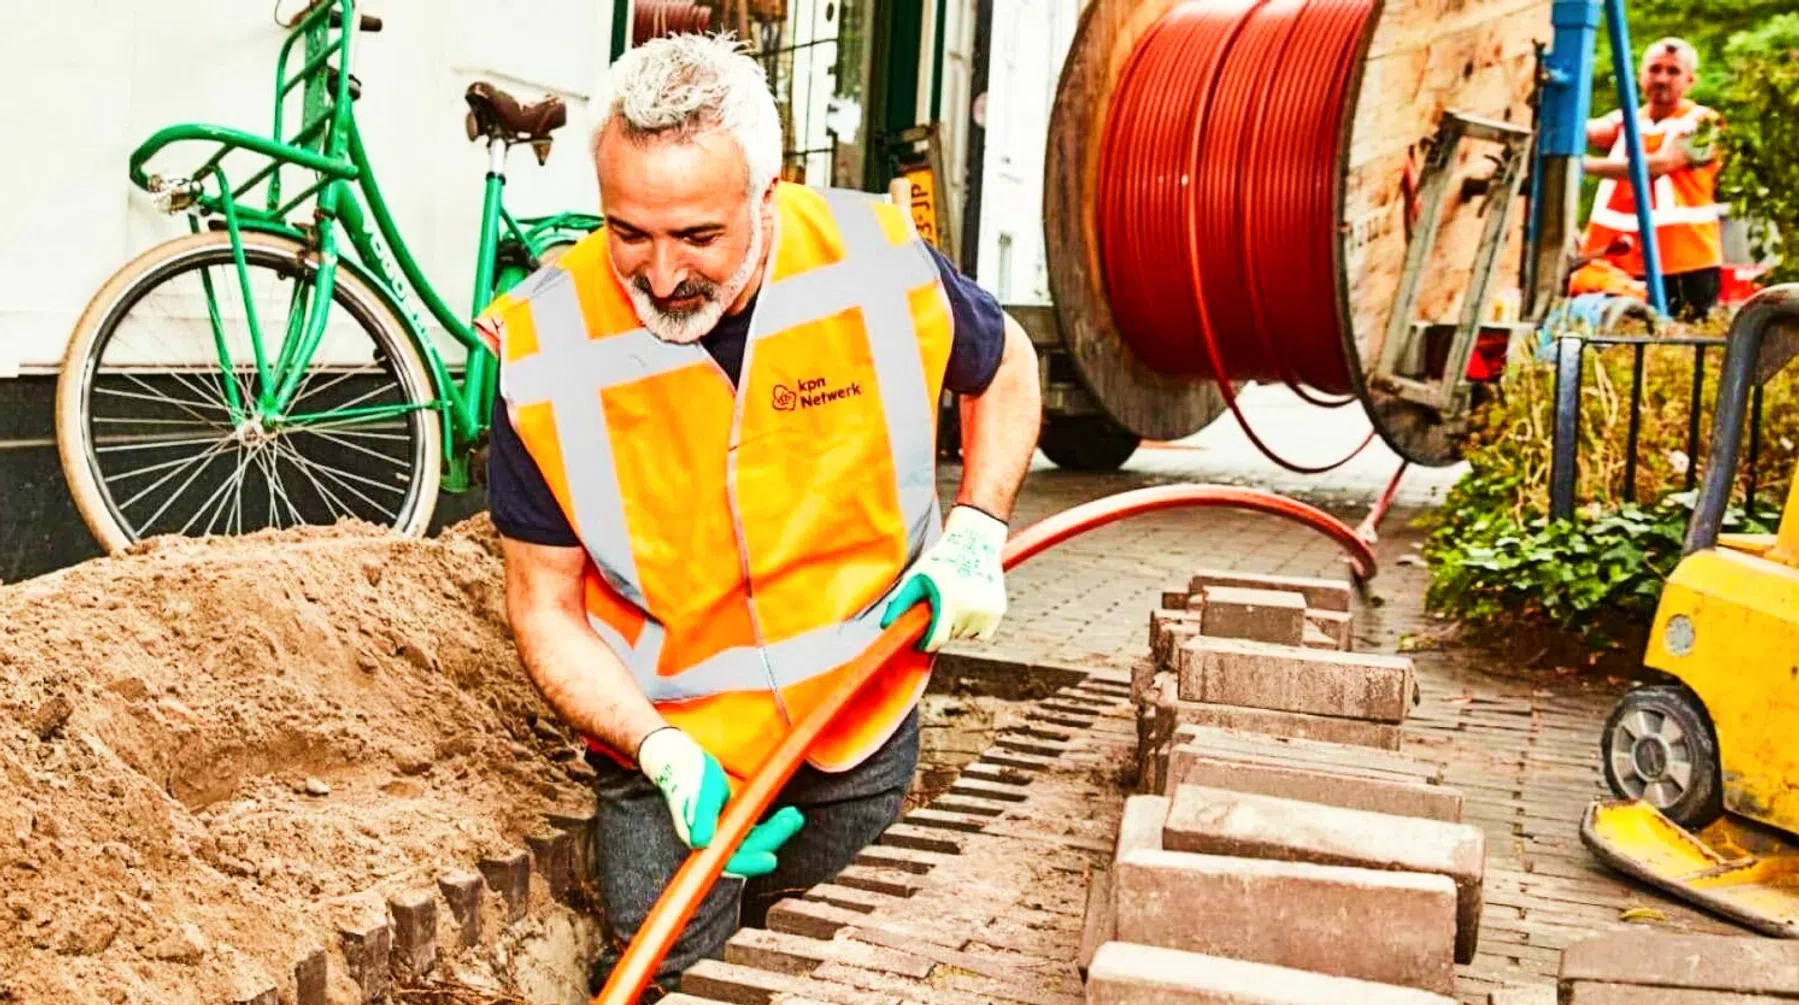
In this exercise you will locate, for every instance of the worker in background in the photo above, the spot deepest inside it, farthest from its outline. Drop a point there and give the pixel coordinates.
(713, 474)
(1683, 164)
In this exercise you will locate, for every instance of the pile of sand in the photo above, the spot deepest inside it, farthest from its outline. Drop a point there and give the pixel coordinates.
(213, 753)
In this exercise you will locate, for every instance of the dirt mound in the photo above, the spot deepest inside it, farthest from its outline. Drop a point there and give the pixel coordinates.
(213, 753)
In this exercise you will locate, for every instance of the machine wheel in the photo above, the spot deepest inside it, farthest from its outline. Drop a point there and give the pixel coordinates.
(1086, 442)
(1659, 746)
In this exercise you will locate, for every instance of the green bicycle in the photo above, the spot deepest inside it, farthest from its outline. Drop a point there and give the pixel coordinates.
(249, 375)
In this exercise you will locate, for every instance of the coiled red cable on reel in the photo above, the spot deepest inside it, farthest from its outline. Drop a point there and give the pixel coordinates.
(657, 18)
(1218, 195)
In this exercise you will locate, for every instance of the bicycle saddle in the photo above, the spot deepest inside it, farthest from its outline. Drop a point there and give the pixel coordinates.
(493, 112)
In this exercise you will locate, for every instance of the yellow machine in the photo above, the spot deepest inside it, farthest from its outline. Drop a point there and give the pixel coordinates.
(1706, 765)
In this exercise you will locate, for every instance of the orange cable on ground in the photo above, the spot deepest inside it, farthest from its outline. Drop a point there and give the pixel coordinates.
(691, 883)
(1219, 192)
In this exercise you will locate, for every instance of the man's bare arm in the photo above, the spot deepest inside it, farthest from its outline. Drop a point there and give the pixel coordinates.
(1672, 157)
(577, 673)
(999, 429)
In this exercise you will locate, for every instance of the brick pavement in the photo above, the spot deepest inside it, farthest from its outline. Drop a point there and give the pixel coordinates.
(1522, 746)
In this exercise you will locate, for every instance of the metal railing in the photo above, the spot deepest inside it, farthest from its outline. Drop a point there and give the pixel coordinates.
(1570, 355)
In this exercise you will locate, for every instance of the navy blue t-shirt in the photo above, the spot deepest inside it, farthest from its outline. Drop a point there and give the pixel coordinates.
(524, 509)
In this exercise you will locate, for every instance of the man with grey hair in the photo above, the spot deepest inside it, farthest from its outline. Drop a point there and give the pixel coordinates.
(1683, 166)
(713, 473)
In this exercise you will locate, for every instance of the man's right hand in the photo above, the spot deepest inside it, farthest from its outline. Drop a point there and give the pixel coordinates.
(695, 788)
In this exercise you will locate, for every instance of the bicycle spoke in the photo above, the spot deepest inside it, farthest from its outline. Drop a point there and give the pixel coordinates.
(217, 493)
(303, 465)
(399, 462)
(335, 473)
(163, 399)
(161, 422)
(170, 501)
(346, 375)
(152, 442)
(233, 486)
(146, 469)
(353, 476)
(278, 490)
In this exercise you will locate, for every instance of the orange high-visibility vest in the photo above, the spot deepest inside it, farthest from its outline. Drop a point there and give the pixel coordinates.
(743, 542)
(1682, 204)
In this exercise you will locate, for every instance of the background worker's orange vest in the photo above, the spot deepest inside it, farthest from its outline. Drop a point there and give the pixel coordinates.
(1684, 212)
(742, 544)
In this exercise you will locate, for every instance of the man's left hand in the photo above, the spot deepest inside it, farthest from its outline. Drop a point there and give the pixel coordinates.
(962, 578)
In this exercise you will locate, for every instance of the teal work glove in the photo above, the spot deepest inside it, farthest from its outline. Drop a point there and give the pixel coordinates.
(695, 789)
(961, 576)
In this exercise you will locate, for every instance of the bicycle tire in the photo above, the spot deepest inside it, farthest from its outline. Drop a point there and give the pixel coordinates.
(138, 278)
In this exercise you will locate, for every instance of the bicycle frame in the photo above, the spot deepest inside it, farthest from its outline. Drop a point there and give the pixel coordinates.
(329, 145)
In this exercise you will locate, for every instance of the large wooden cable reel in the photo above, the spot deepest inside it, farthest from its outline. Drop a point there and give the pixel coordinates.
(1425, 70)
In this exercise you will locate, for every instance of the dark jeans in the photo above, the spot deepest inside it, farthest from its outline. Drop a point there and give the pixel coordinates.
(1692, 295)
(639, 851)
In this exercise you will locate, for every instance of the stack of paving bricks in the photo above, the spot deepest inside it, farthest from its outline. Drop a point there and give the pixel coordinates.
(1281, 851)
(1265, 654)
(1638, 967)
(411, 943)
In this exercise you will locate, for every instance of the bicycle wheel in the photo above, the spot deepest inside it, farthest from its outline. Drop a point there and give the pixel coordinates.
(151, 444)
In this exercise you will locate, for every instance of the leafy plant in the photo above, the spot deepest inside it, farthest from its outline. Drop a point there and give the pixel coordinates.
(1496, 559)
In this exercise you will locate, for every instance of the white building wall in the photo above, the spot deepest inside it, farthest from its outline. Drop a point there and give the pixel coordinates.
(1031, 38)
(105, 74)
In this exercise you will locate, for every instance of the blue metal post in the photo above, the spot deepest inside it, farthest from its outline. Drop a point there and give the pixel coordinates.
(1568, 79)
(1619, 32)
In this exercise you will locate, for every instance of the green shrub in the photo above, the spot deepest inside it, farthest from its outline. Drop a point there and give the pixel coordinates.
(1498, 562)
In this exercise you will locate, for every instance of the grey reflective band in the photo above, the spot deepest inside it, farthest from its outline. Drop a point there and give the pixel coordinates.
(569, 371)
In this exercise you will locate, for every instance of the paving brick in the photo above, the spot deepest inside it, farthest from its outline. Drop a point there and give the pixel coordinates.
(995, 773)
(552, 857)
(1220, 822)
(1175, 599)
(510, 877)
(1190, 765)
(1235, 671)
(1589, 993)
(1386, 927)
(1264, 615)
(366, 949)
(1167, 630)
(903, 859)
(968, 806)
(948, 820)
(310, 978)
(1324, 594)
(1126, 974)
(583, 841)
(847, 897)
(892, 882)
(1313, 638)
(462, 892)
(1329, 729)
(1716, 962)
(1098, 922)
(258, 996)
(1338, 626)
(1314, 753)
(983, 789)
(1021, 760)
(1142, 823)
(683, 998)
(921, 839)
(414, 934)
(810, 918)
(784, 952)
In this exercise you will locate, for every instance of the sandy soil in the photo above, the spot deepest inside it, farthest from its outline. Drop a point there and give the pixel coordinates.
(213, 753)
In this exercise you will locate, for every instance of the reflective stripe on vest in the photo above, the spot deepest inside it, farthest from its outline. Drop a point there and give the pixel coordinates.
(1666, 208)
(569, 369)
